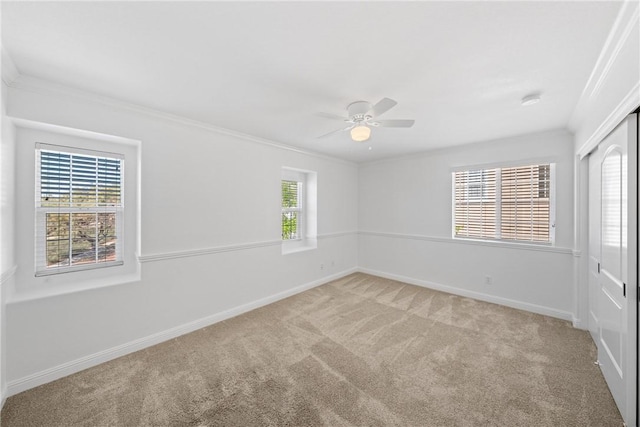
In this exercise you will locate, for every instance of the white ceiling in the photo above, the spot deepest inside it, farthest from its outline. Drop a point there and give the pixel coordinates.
(459, 69)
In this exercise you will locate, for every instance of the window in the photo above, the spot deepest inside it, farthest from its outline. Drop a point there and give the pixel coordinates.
(291, 209)
(298, 197)
(79, 209)
(511, 203)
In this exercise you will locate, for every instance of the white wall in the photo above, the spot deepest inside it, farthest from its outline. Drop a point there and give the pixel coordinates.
(405, 214)
(7, 237)
(210, 237)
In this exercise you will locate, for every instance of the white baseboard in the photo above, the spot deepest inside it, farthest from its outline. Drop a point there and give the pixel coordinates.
(579, 323)
(65, 369)
(547, 311)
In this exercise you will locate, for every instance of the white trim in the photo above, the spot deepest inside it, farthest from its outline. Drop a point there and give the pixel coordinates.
(4, 278)
(65, 369)
(496, 244)
(207, 251)
(79, 133)
(6, 275)
(626, 32)
(532, 161)
(534, 308)
(9, 70)
(57, 148)
(337, 234)
(622, 110)
(45, 87)
(618, 35)
(3, 395)
(228, 248)
(52, 292)
(297, 246)
(579, 323)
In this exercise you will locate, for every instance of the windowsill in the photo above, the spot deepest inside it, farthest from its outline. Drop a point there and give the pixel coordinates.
(504, 241)
(535, 246)
(295, 246)
(82, 267)
(91, 285)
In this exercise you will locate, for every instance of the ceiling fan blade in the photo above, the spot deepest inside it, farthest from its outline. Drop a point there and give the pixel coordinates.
(384, 105)
(332, 116)
(396, 123)
(334, 131)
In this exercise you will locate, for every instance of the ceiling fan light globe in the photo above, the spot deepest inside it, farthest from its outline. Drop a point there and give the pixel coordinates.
(360, 133)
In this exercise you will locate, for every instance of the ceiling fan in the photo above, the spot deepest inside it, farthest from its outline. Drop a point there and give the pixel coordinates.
(361, 116)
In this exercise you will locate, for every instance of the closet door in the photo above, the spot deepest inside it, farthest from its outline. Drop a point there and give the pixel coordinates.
(594, 242)
(616, 291)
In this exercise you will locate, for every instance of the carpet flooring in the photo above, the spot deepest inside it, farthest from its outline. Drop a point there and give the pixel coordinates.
(358, 351)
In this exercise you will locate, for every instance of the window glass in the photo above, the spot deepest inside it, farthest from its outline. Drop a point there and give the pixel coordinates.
(511, 203)
(78, 209)
(291, 209)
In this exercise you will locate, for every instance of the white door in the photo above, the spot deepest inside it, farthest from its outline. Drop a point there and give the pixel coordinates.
(594, 242)
(617, 282)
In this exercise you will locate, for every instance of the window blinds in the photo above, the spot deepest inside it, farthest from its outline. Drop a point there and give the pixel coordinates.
(525, 203)
(291, 209)
(511, 203)
(475, 203)
(78, 208)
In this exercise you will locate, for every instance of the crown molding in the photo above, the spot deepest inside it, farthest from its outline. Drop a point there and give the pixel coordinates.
(622, 29)
(624, 107)
(47, 87)
(9, 70)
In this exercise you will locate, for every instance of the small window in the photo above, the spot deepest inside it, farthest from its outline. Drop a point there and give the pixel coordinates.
(292, 213)
(299, 210)
(79, 209)
(510, 203)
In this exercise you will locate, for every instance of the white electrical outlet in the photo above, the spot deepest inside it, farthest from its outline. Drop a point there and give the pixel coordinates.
(488, 280)
(321, 266)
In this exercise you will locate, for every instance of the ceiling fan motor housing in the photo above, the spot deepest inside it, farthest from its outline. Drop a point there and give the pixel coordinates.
(358, 111)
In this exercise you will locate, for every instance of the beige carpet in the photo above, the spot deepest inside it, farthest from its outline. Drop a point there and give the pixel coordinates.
(358, 351)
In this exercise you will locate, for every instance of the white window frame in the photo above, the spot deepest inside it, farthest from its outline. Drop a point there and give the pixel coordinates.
(498, 201)
(41, 267)
(307, 210)
(301, 179)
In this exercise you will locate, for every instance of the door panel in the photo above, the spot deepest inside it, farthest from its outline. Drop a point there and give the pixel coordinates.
(612, 239)
(612, 306)
(594, 242)
(611, 318)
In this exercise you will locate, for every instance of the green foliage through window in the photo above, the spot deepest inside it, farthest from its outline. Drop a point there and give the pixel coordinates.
(291, 209)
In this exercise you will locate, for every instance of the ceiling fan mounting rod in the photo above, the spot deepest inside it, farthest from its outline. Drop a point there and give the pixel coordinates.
(358, 111)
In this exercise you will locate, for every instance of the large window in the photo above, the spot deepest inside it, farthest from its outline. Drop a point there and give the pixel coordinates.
(79, 209)
(510, 203)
